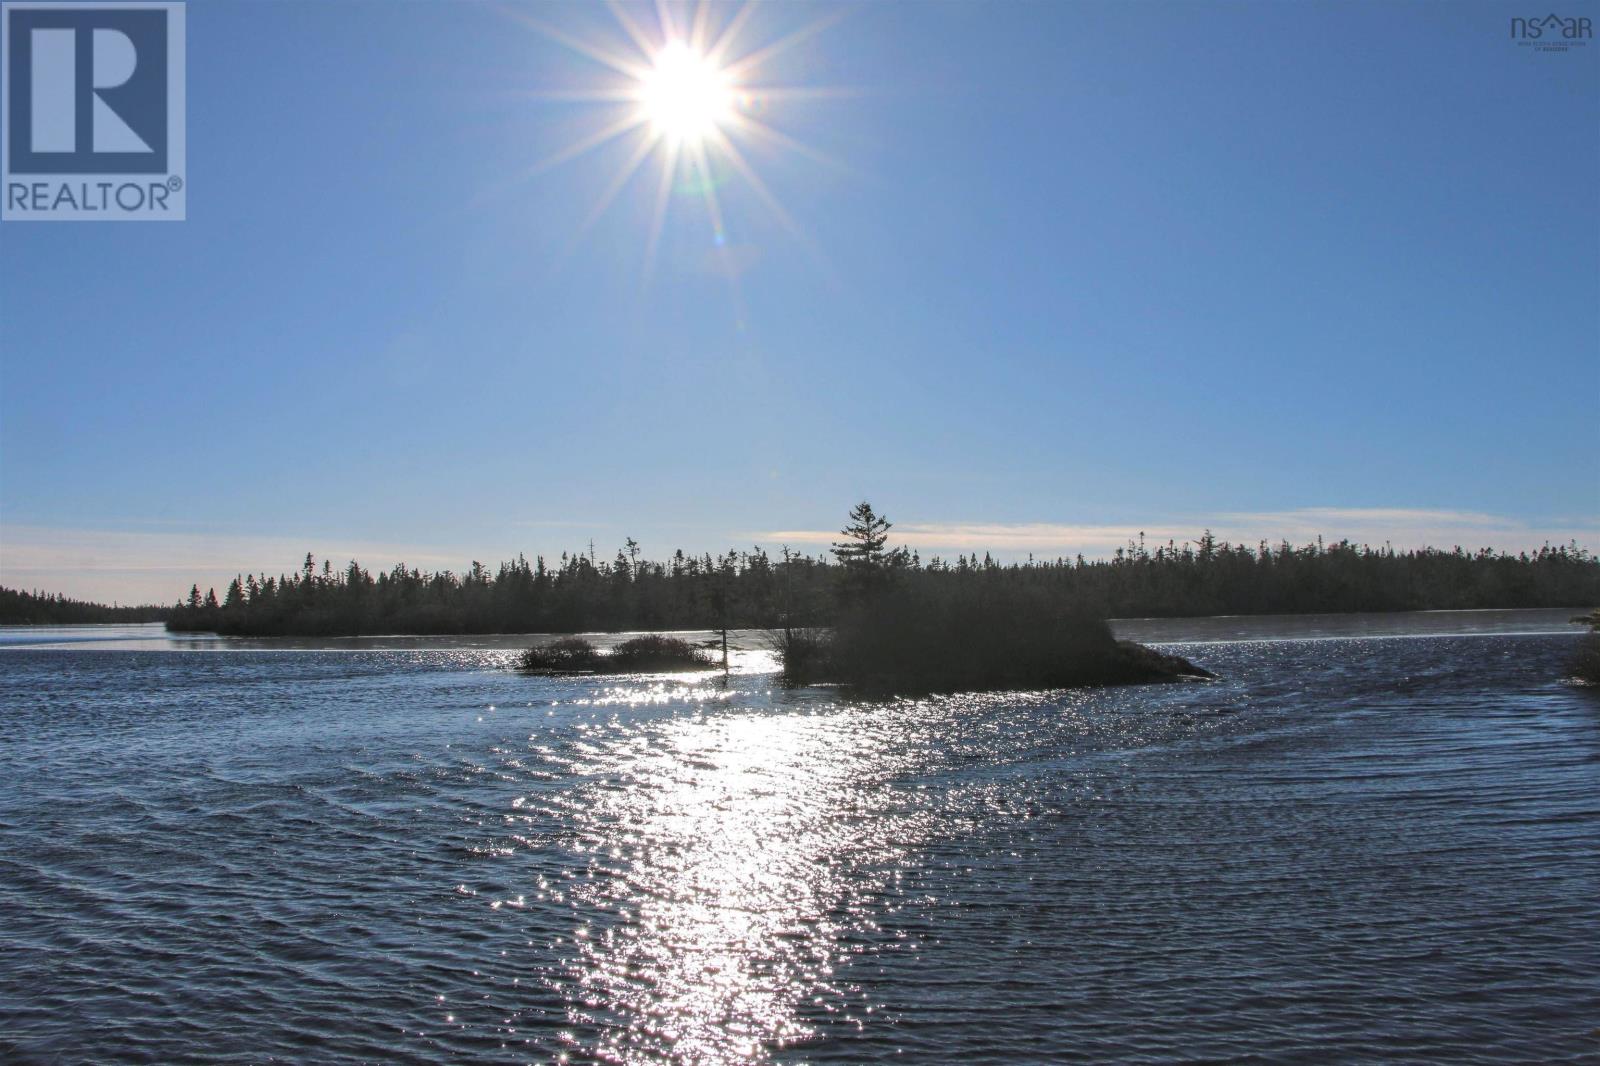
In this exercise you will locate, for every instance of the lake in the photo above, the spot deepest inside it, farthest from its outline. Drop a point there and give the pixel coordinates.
(1375, 837)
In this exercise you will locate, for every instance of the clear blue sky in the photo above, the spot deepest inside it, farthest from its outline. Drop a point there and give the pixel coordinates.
(1066, 270)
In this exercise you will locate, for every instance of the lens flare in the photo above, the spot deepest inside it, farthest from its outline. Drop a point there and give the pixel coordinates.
(690, 92)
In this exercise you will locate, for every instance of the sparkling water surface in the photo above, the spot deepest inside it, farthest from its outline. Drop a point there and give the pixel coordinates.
(1375, 838)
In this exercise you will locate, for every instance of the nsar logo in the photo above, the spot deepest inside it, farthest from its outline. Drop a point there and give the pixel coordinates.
(1552, 33)
(93, 99)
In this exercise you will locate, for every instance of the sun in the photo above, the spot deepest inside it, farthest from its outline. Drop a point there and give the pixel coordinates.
(691, 90)
(685, 96)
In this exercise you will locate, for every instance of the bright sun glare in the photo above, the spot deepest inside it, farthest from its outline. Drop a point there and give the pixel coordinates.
(685, 95)
(690, 90)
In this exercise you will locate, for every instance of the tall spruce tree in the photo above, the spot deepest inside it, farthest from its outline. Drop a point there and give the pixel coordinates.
(865, 562)
(865, 537)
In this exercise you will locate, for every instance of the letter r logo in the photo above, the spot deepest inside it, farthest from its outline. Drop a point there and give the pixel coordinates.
(87, 89)
(55, 91)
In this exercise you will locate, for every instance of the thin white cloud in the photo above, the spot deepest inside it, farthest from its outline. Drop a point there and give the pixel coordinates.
(1415, 527)
(1402, 527)
(145, 567)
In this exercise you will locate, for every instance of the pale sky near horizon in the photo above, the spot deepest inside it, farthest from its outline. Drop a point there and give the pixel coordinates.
(1031, 278)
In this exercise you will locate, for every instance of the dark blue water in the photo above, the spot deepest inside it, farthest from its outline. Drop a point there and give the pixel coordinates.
(1348, 849)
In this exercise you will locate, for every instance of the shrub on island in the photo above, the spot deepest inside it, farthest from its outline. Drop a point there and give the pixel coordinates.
(649, 654)
(569, 655)
(655, 654)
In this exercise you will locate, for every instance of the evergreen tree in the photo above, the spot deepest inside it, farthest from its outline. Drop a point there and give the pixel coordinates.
(864, 539)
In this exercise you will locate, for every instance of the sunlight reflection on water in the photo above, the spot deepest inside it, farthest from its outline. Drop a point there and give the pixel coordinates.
(420, 855)
(717, 884)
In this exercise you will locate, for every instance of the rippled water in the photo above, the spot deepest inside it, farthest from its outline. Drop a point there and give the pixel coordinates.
(1349, 848)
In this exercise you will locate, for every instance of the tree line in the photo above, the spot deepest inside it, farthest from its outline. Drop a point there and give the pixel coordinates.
(754, 589)
(21, 608)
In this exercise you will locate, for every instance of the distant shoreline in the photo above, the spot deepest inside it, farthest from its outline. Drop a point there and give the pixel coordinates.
(584, 593)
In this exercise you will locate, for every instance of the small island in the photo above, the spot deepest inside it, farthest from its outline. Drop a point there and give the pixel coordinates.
(1077, 654)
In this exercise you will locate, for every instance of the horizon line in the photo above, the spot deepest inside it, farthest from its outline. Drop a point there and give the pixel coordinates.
(147, 567)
